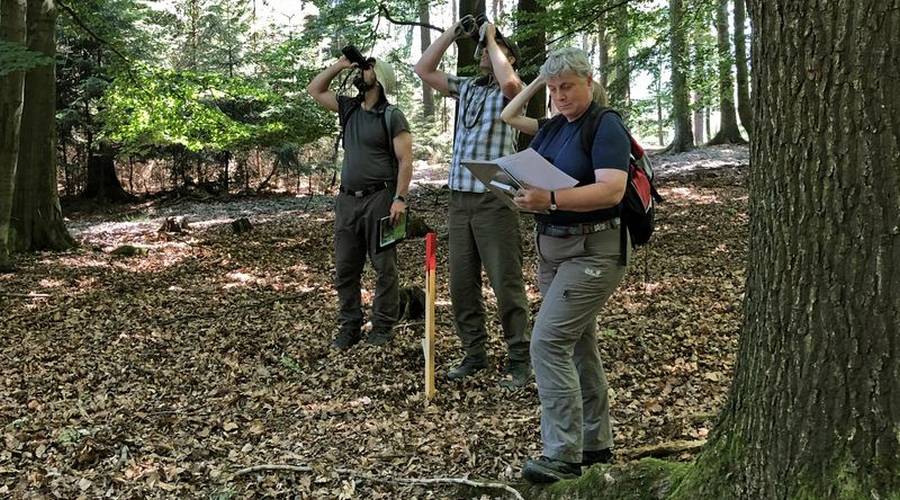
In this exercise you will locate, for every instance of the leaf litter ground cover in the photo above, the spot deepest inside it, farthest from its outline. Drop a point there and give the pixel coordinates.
(160, 375)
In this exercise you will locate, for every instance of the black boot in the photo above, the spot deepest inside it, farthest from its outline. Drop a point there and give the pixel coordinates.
(380, 336)
(591, 457)
(470, 364)
(548, 470)
(346, 339)
(519, 373)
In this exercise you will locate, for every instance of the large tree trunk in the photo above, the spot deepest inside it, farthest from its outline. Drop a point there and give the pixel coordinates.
(728, 127)
(12, 85)
(743, 73)
(620, 87)
(698, 118)
(533, 50)
(102, 182)
(425, 39)
(37, 222)
(603, 54)
(814, 408)
(681, 113)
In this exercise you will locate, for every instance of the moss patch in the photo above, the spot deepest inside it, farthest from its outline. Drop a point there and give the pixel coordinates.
(648, 478)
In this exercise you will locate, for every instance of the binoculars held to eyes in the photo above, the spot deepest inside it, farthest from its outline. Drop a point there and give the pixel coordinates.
(471, 26)
(355, 56)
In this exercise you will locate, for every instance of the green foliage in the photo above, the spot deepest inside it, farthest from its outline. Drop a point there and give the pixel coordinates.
(207, 112)
(17, 57)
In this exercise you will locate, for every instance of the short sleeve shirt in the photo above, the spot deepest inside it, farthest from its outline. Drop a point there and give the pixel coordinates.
(480, 133)
(367, 152)
(611, 148)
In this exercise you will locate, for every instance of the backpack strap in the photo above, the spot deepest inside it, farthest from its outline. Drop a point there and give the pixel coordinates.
(592, 121)
(389, 133)
(344, 118)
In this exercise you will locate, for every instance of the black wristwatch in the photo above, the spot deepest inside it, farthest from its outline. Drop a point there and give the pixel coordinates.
(399, 197)
(553, 206)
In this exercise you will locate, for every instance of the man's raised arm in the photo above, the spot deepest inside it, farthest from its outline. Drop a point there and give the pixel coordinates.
(427, 65)
(318, 87)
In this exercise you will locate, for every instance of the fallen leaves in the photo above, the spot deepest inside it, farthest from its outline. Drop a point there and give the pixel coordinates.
(160, 374)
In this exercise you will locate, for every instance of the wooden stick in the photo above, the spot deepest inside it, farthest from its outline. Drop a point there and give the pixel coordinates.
(665, 449)
(430, 292)
(368, 477)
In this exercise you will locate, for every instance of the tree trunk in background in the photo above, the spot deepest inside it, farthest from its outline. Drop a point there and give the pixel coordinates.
(37, 222)
(425, 41)
(728, 127)
(12, 85)
(603, 54)
(681, 117)
(707, 117)
(814, 406)
(698, 118)
(533, 49)
(743, 73)
(620, 87)
(102, 182)
(465, 62)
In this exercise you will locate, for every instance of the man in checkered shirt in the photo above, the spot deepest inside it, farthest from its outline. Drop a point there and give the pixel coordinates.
(483, 230)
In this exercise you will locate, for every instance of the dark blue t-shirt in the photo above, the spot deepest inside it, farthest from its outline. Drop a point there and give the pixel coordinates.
(611, 149)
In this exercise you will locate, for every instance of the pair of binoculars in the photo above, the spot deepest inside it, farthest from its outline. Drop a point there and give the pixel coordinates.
(355, 56)
(471, 26)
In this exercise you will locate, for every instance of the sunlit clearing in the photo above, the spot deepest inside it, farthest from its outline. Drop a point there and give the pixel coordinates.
(239, 279)
(49, 283)
(76, 262)
(691, 195)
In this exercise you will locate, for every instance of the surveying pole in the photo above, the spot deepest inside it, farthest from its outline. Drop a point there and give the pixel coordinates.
(430, 293)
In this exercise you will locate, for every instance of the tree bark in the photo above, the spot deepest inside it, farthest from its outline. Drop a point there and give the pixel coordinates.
(728, 127)
(12, 85)
(681, 117)
(698, 118)
(603, 54)
(533, 49)
(102, 182)
(814, 406)
(743, 73)
(465, 61)
(425, 41)
(620, 87)
(37, 222)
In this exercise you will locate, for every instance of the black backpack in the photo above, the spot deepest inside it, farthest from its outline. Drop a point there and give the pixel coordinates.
(637, 207)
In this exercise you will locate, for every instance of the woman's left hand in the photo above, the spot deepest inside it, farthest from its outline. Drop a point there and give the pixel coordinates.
(532, 199)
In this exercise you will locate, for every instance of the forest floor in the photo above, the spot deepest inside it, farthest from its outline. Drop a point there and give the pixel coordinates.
(161, 374)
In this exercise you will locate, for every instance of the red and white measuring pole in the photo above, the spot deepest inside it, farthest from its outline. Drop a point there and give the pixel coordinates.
(430, 293)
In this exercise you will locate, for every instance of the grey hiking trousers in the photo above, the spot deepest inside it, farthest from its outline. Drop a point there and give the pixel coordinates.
(355, 236)
(576, 276)
(485, 232)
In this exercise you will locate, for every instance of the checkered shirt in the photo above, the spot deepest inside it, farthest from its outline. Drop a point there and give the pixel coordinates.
(480, 133)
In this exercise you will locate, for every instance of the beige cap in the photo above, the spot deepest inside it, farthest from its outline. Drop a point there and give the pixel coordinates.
(384, 73)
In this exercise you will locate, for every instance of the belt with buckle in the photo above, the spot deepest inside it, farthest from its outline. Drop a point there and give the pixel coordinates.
(366, 191)
(563, 231)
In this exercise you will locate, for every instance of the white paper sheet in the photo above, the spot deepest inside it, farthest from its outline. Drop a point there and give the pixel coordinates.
(531, 168)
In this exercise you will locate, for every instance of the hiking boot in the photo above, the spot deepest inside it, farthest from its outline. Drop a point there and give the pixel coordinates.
(519, 373)
(591, 457)
(380, 336)
(346, 339)
(470, 364)
(548, 470)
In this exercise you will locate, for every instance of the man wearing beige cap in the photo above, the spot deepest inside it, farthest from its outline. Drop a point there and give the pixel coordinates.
(374, 181)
